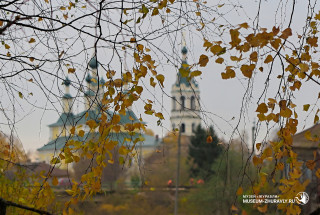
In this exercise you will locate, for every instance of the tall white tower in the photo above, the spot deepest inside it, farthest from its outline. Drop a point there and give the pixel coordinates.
(185, 111)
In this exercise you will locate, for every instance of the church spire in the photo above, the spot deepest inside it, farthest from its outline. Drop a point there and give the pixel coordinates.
(185, 112)
(67, 98)
(184, 49)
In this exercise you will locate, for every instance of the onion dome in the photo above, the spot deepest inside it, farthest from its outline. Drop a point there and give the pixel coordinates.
(93, 63)
(184, 50)
(88, 79)
(66, 82)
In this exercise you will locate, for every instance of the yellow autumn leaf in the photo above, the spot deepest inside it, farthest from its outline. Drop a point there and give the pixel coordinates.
(220, 60)
(216, 49)
(159, 115)
(235, 58)
(152, 83)
(318, 173)
(140, 47)
(286, 33)
(316, 119)
(254, 56)
(256, 160)
(235, 40)
(258, 145)
(195, 73)
(71, 70)
(20, 95)
(280, 166)
(55, 181)
(55, 160)
(311, 164)
(184, 72)
(132, 40)
(203, 60)
(268, 59)
(244, 25)
(138, 89)
(262, 108)
(230, 73)
(209, 139)
(312, 41)
(247, 70)
(81, 133)
(155, 12)
(160, 78)
(70, 192)
(92, 124)
(72, 130)
(239, 191)
(32, 40)
(244, 212)
(306, 107)
(267, 152)
(304, 67)
(234, 208)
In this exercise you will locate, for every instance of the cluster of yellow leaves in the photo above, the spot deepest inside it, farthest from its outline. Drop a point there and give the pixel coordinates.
(25, 189)
(243, 46)
(153, 8)
(250, 52)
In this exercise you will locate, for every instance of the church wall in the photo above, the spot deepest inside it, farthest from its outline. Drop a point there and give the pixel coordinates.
(55, 132)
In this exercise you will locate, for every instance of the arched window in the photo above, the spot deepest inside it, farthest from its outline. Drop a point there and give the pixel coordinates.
(193, 127)
(192, 103)
(183, 128)
(182, 101)
(174, 103)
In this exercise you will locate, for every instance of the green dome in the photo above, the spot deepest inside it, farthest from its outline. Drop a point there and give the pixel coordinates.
(184, 50)
(66, 82)
(93, 63)
(88, 78)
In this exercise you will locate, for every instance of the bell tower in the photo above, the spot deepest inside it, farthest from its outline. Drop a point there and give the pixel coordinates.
(185, 110)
